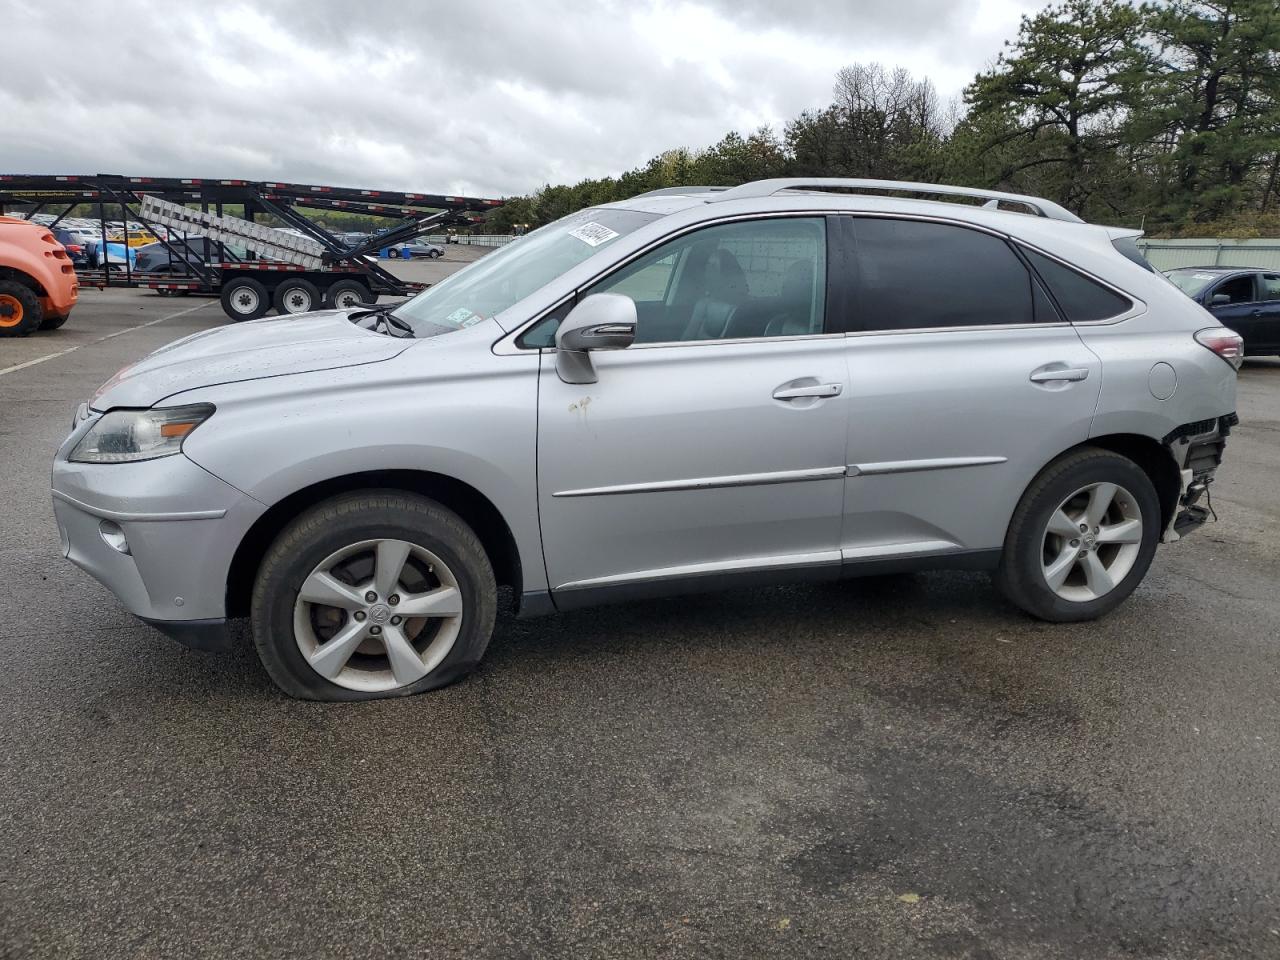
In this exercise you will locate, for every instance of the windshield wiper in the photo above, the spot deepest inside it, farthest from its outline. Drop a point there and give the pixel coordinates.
(385, 315)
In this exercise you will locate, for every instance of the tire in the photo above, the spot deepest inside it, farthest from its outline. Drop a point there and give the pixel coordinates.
(297, 296)
(245, 298)
(393, 253)
(348, 295)
(20, 310)
(436, 254)
(53, 323)
(339, 537)
(1075, 574)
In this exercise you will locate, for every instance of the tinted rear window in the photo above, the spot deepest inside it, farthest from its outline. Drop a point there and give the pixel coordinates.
(1127, 247)
(914, 274)
(1079, 298)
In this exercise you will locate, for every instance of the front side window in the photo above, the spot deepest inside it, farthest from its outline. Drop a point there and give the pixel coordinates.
(1271, 286)
(915, 274)
(756, 278)
(1235, 290)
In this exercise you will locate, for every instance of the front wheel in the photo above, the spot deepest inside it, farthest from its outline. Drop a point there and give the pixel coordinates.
(20, 310)
(1081, 538)
(373, 595)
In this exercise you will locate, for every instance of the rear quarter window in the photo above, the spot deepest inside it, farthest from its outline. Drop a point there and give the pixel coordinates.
(1080, 299)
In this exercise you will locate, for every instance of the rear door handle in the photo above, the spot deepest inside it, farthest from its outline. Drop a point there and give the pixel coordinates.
(1053, 372)
(786, 392)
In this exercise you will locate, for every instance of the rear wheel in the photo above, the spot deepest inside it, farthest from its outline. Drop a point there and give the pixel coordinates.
(393, 253)
(372, 595)
(1082, 537)
(53, 323)
(20, 310)
(348, 295)
(297, 296)
(245, 298)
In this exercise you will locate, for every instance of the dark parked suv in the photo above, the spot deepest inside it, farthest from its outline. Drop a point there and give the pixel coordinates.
(73, 244)
(156, 257)
(1246, 299)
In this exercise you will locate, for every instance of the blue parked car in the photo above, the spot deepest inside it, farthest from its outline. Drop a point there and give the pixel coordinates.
(117, 254)
(1246, 299)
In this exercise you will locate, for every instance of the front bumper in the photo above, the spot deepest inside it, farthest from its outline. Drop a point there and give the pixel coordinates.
(180, 527)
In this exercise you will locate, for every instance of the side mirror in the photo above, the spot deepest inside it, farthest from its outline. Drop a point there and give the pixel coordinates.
(1218, 300)
(602, 321)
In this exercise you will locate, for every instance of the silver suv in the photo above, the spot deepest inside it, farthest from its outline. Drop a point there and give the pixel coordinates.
(688, 390)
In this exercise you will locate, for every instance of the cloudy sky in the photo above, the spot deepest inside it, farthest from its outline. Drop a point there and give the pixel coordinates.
(483, 98)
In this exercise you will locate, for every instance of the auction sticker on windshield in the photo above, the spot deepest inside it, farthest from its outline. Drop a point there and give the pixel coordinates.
(593, 234)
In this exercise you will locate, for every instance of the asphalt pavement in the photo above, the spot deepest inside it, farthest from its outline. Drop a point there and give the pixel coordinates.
(896, 767)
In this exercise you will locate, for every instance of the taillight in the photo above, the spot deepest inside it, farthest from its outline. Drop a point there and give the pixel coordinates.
(1227, 344)
(73, 248)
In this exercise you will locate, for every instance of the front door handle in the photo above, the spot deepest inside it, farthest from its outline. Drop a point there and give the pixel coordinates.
(787, 392)
(1053, 372)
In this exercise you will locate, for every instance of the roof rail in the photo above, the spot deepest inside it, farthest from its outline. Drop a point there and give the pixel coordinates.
(767, 188)
(678, 191)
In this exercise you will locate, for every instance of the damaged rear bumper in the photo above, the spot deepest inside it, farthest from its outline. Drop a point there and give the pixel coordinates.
(1197, 449)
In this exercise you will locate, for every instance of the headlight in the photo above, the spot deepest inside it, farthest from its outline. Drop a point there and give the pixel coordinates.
(122, 436)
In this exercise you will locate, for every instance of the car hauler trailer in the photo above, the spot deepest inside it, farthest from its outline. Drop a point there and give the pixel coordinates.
(299, 268)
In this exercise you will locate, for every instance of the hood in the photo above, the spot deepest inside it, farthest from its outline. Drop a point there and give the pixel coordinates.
(248, 351)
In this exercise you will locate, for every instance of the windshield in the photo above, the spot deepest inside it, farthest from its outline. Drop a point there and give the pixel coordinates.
(1191, 282)
(511, 273)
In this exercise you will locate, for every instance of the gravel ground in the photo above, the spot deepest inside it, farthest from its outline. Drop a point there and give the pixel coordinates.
(898, 767)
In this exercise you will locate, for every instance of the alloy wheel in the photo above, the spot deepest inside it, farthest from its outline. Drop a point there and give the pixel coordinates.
(378, 615)
(1091, 542)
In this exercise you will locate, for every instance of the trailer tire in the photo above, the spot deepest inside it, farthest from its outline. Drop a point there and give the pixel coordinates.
(20, 310)
(245, 298)
(348, 295)
(297, 296)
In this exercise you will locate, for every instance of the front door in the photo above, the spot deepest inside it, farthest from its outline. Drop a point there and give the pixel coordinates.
(1236, 303)
(714, 446)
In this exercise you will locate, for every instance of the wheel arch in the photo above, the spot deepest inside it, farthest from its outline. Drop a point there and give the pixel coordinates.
(1150, 455)
(26, 279)
(476, 510)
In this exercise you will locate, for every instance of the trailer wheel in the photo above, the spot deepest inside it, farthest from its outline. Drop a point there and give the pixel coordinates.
(245, 298)
(348, 295)
(297, 296)
(20, 311)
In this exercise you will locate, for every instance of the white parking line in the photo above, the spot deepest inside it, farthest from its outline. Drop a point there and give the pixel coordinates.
(63, 353)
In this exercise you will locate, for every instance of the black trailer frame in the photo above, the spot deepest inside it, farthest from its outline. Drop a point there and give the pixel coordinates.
(418, 212)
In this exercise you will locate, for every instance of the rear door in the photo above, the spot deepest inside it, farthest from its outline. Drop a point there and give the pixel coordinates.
(965, 380)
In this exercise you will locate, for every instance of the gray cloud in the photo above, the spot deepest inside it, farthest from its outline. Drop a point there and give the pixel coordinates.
(485, 98)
